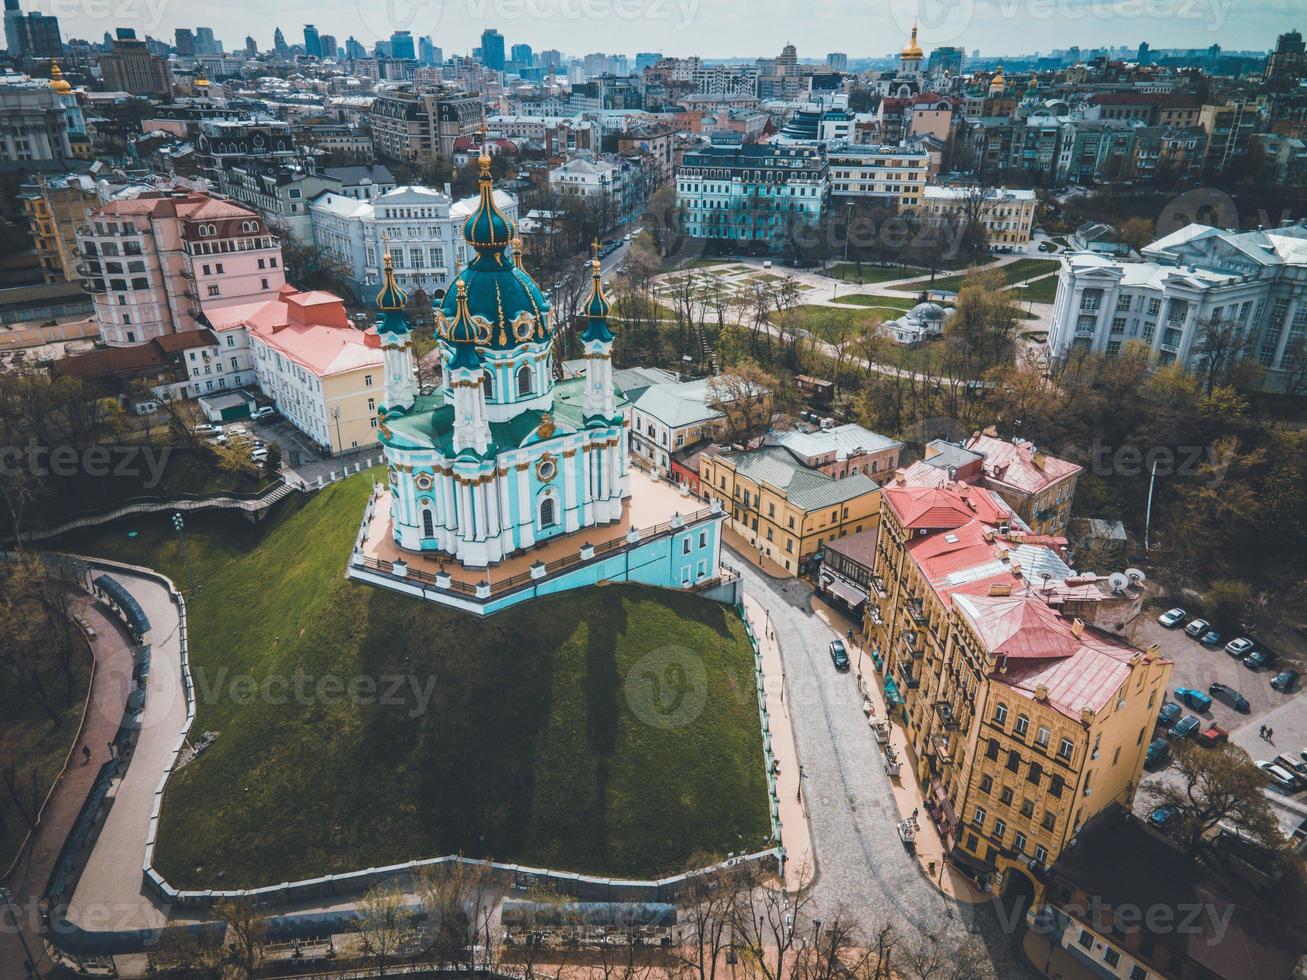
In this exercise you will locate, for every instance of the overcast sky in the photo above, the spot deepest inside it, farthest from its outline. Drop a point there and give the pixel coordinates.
(713, 28)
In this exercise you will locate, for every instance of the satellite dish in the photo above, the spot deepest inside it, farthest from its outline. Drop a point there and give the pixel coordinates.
(1117, 582)
(1135, 575)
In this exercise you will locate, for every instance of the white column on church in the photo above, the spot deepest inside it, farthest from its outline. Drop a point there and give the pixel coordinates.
(527, 505)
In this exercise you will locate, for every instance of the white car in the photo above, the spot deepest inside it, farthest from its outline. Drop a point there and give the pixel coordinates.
(263, 413)
(205, 429)
(1280, 776)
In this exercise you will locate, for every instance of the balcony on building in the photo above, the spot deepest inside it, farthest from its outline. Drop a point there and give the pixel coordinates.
(912, 641)
(946, 716)
(916, 611)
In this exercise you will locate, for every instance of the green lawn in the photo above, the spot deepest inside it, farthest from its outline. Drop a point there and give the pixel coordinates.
(1015, 272)
(900, 303)
(31, 743)
(528, 750)
(850, 272)
(1040, 291)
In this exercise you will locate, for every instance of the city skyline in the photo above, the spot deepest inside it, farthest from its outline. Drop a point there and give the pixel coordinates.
(756, 29)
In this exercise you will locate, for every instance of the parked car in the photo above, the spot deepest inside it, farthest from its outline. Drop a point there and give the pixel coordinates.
(1162, 816)
(1196, 628)
(1237, 701)
(263, 412)
(1186, 726)
(1281, 778)
(205, 429)
(1259, 659)
(1285, 680)
(1172, 617)
(1169, 713)
(1212, 638)
(1213, 736)
(1291, 765)
(1194, 699)
(838, 655)
(1158, 749)
(1239, 647)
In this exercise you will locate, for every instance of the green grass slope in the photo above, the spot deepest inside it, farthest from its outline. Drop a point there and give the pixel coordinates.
(612, 730)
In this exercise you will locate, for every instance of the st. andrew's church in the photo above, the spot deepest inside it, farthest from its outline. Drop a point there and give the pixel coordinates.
(502, 464)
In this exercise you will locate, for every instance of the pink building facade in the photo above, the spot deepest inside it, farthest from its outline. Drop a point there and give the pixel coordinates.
(154, 264)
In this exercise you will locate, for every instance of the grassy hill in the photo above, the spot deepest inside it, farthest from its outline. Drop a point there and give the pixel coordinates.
(360, 727)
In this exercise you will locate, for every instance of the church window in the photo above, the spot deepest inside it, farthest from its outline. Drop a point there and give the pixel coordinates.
(524, 380)
(490, 385)
(548, 512)
(428, 523)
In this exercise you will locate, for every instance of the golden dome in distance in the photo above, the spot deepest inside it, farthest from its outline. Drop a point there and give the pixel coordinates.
(997, 84)
(912, 49)
(57, 81)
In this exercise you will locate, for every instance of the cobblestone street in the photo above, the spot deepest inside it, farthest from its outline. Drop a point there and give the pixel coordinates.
(860, 860)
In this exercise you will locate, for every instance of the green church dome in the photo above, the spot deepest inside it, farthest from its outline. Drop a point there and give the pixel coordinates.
(498, 290)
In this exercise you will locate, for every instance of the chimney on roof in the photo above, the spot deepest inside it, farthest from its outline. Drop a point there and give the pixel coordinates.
(1152, 653)
(1000, 589)
(1016, 568)
(991, 431)
(1039, 459)
(900, 478)
(1087, 716)
(1041, 692)
(1003, 554)
(1077, 627)
(989, 535)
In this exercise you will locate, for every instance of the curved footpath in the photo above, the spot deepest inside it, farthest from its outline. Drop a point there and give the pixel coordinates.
(112, 649)
(109, 893)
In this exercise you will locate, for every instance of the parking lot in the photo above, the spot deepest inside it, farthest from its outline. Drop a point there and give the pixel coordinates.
(1196, 667)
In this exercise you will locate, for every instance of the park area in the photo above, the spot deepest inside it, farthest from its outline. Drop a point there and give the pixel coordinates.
(611, 731)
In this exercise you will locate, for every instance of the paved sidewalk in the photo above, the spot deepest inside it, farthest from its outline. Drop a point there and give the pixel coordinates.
(795, 835)
(740, 545)
(907, 794)
(112, 649)
(110, 893)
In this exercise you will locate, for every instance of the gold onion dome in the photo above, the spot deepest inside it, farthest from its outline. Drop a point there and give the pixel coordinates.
(57, 80)
(998, 84)
(912, 49)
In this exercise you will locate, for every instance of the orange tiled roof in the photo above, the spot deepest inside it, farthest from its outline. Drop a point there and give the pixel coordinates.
(947, 506)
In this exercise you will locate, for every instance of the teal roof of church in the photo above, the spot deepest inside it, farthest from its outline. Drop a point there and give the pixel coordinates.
(431, 421)
(499, 291)
(391, 301)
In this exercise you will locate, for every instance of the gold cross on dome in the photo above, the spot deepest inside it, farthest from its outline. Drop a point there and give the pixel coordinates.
(595, 248)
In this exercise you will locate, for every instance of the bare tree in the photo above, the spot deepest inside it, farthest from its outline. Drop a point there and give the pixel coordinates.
(459, 900)
(383, 922)
(247, 933)
(1222, 343)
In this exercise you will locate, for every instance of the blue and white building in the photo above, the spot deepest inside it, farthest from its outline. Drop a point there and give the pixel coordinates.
(502, 462)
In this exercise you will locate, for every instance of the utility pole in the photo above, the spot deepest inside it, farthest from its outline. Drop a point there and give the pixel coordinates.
(180, 526)
(1148, 514)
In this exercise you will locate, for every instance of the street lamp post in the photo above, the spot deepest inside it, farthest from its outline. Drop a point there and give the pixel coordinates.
(180, 526)
(29, 961)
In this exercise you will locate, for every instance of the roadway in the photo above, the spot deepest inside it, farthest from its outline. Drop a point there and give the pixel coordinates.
(860, 862)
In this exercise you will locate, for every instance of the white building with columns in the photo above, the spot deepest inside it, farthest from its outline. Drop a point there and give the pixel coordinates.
(420, 228)
(1194, 276)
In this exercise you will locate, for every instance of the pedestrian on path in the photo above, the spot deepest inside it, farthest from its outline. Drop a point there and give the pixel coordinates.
(1270, 733)
(1261, 732)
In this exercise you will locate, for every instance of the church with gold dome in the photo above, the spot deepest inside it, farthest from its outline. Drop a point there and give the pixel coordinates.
(503, 476)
